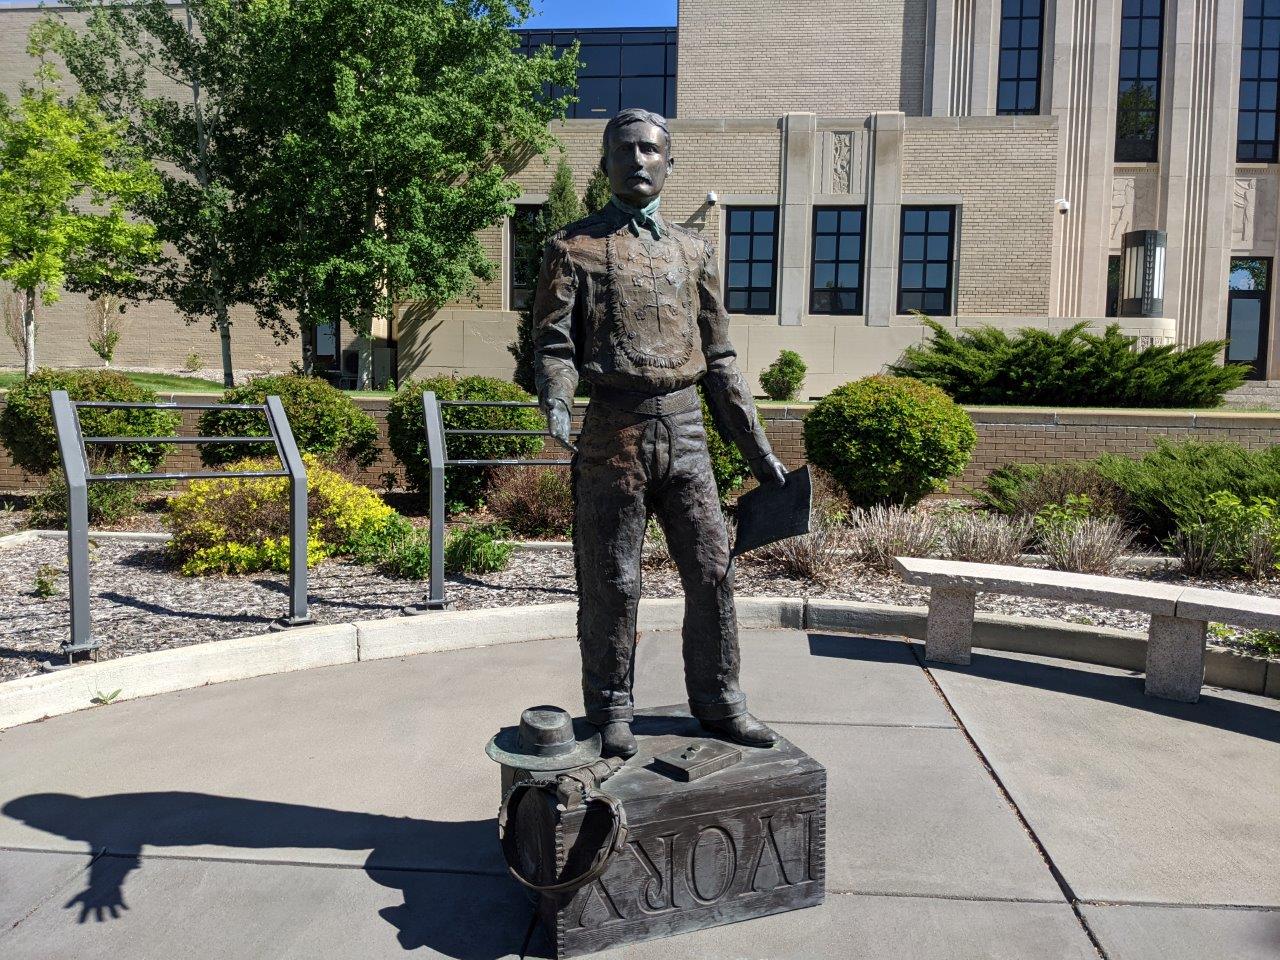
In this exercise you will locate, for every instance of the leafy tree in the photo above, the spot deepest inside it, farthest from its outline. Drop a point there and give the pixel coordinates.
(560, 210)
(176, 78)
(390, 128)
(599, 193)
(58, 158)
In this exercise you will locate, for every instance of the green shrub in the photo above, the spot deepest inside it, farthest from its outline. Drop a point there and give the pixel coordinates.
(783, 378)
(463, 485)
(1265, 642)
(889, 439)
(1025, 489)
(1073, 368)
(478, 549)
(324, 420)
(728, 465)
(1176, 479)
(1226, 534)
(410, 558)
(108, 502)
(532, 501)
(241, 525)
(26, 425)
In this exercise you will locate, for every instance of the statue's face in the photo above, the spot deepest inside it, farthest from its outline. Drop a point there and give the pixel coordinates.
(637, 163)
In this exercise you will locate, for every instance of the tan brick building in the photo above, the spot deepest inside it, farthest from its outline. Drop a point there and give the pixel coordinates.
(981, 160)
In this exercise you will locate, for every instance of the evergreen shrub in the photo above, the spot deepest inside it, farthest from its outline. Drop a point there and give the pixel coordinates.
(533, 502)
(728, 465)
(241, 525)
(783, 378)
(1025, 489)
(324, 420)
(889, 439)
(1073, 368)
(464, 486)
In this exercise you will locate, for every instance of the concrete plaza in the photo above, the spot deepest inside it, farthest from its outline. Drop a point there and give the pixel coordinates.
(1018, 808)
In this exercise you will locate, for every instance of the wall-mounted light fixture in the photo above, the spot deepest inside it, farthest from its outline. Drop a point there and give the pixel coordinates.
(1142, 274)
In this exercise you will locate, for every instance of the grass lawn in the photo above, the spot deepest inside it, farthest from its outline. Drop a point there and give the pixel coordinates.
(160, 382)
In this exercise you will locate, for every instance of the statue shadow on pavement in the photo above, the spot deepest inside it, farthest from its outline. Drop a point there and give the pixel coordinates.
(440, 910)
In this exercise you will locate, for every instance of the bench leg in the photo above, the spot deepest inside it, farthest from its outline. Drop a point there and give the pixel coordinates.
(1175, 658)
(949, 635)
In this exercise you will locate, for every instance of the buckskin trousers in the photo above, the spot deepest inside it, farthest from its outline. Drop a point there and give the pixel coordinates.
(629, 466)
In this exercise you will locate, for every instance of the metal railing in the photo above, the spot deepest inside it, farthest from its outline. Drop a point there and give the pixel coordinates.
(73, 449)
(438, 458)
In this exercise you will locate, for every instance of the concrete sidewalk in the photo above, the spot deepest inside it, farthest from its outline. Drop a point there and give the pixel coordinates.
(1018, 808)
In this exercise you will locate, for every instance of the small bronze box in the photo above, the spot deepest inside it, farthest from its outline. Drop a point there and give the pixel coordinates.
(745, 841)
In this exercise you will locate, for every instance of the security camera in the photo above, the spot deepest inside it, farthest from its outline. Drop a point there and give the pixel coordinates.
(712, 199)
(1064, 205)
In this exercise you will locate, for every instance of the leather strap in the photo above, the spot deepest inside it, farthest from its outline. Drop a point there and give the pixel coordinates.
(608, 850)
(647, 404)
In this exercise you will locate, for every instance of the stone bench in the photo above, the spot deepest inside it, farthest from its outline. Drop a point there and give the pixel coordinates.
(1179, 615)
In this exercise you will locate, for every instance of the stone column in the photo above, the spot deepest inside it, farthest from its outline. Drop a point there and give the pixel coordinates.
(1175, 658)
(1082, 87)
(949, 631)
(884, 205)
(1198, 153)
(795, 210)
(964, 58)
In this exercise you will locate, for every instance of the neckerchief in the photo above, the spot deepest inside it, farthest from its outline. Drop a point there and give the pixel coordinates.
(639, 218)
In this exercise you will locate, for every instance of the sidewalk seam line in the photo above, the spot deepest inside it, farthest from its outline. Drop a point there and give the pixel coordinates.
(1057, 875)
(53, 892)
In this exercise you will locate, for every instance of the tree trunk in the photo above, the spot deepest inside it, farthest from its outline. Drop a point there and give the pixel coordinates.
(308, 355)
(224, 335)
(29, 331)
(364, 360)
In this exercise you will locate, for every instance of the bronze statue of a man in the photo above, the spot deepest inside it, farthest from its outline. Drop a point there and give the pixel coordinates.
(631, 303)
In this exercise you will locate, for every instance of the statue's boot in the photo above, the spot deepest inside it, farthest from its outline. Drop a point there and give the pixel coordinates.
(744, 729)
(617, 740)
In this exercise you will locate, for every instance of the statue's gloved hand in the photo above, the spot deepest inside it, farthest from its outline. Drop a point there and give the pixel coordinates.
(768, 470)
(558, 421)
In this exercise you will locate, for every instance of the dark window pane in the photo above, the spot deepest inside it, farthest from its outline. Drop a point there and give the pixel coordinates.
(762, 302)
(739, 246)
(1259, 57)
(914, 220)
(847, 276)
(826, 221)
(761, 276)
(924, 274)
(824, 248)
(739, 276)
(597, 97)
(646, 61)
(737, 301)
(750, 263)
(824, 275)
(824, 301)
(1138, 103)
(598, 61)
(913, 247)
(851, 220)
(1021, 39)
(849, 301)
(763, 220)
(644, 92)
(837, 262)
(740, 221)
(851, 247)
(762, 247)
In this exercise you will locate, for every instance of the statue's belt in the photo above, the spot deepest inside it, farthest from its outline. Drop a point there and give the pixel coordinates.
(646, 404)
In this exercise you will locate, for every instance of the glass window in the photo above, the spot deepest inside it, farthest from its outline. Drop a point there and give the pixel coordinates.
(925, 266)
(1259, 77)
(526, 255)
(1113, 284)
(1138, 106)
(752, 242)
(1021, 33)
(620, 68)
(836, 285)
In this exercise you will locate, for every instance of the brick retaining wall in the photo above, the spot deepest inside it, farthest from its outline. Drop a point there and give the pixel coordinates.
(1005, 434)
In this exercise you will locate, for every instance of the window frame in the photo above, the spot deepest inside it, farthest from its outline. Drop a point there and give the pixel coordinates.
(1018, 79)
(1258, 80)
(664, 39)
(750, 260)
(861, 289)
(1126, 150)
(952, 252)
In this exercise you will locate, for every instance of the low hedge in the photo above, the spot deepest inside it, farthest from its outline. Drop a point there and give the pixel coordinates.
(324, 420)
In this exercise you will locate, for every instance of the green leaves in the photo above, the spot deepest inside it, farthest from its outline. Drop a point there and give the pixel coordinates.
(1073, 368)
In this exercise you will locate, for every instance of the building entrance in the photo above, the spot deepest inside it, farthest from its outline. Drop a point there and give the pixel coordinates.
(1249, 314)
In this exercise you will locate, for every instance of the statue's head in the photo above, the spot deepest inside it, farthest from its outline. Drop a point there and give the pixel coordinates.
(637, 155)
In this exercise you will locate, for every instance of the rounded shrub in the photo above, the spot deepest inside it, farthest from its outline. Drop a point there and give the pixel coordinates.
(463, 485)
(783, 378)
(241, 525)
(324, 420)
(26, 425)
(889, 439)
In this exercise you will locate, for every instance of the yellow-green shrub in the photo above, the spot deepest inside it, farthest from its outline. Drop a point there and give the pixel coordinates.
(241, 525)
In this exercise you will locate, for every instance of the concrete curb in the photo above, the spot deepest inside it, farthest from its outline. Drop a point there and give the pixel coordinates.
(47, 695)
(66, 691)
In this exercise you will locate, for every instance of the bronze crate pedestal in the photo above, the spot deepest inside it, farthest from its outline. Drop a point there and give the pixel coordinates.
(743, 842)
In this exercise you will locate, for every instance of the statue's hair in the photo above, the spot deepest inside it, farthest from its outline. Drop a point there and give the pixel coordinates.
(632, 115)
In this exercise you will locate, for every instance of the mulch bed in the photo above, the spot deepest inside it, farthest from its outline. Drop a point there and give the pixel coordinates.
(141, 604)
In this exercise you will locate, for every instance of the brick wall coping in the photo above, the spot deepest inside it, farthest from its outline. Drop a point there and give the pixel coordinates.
(1044, 416)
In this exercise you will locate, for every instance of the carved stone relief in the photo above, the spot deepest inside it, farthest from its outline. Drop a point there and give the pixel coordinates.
(1123, 192)
(842, 165)
(1244, 200)
(841, 162)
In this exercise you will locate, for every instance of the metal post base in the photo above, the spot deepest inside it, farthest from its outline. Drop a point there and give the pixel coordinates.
(285, 623)
(427, 606)
(83, 653)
